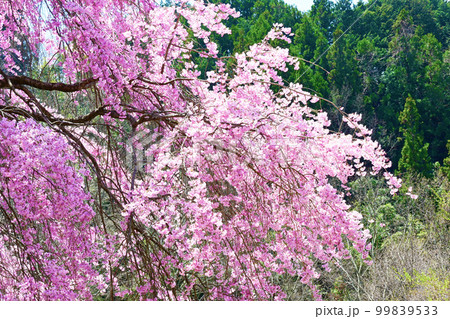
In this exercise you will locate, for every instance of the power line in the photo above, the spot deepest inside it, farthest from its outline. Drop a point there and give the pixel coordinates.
(331, 45)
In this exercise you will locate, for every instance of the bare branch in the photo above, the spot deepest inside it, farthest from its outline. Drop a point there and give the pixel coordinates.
(14, 81)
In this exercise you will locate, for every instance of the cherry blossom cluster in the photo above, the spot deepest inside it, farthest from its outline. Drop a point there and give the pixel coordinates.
(48, 249)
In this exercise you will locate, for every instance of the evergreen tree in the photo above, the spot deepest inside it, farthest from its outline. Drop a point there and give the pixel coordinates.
(414, 152)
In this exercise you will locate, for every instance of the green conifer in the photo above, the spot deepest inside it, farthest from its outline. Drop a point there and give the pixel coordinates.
(415, 156)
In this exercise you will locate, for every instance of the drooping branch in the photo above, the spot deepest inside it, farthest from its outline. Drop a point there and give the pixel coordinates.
(14, 81)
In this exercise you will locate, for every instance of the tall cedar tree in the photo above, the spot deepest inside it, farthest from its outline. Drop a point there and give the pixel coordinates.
(414, 152)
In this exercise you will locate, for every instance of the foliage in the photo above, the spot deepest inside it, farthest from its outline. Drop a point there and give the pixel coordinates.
(414, 152)
(427, 285)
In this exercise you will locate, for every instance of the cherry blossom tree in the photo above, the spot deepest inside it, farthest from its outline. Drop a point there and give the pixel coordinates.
(243, 179)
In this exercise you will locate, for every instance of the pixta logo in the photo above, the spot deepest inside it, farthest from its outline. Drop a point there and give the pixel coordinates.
(137, 146)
